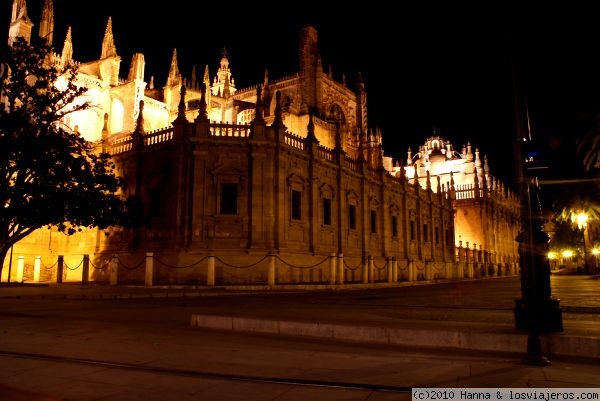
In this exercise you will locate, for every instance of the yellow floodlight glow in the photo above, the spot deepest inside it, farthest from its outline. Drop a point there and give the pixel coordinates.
(552, 255)
(581, 219)
(567, 253)
(595, 251)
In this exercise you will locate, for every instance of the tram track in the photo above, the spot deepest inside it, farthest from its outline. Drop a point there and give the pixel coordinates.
(290, 381)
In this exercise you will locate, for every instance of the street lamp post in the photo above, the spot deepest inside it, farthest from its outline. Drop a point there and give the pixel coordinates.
(536, 311)
(528, 309)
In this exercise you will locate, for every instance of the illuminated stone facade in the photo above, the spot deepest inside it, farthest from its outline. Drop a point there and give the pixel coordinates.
(487, 214)
(287, 172)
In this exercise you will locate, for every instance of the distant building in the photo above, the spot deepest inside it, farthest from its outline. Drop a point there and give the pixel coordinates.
(487, 214)
(287, 172)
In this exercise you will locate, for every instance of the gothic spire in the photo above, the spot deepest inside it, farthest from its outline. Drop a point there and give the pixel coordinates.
(19, 9)
(20, 24)
(360, 83)
(311, 129)
(206, 78)
(484, 183)
(174, 75)
(108, 43)
(206, 82)
(139, 124)
(136, 70)
(469, 152)
(67, 51)
(47, 22)
(181, 106)
(202, 115)
(362, 103)
(105, 134)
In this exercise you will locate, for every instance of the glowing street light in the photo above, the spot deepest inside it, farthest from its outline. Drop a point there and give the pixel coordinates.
(581, 218)
(567, 254)
(552, 256)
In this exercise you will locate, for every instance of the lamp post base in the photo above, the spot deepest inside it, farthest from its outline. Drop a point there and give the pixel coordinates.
(534, 356)
(549, 317)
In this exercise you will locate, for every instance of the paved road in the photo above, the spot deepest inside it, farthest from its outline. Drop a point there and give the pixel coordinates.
(99, 342)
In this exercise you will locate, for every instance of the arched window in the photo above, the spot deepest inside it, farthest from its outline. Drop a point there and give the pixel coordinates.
(336, 113)
(116, 116)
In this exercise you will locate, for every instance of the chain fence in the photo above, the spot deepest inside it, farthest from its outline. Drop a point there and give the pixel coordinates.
(268, 268)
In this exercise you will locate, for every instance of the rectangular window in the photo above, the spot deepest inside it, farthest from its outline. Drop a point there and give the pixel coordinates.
(326, 211)
(352, 217)
(425, 233)
(228, 202)
(437, 235)
(412, 230)
(373, 222)
(296, 205)
(394, 226)
(447, 237)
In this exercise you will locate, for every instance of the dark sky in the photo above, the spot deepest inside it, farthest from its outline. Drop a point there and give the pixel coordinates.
(425, 65)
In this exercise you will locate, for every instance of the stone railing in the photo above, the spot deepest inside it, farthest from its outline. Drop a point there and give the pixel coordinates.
(230, 130)
(158, 136)
(295, 141)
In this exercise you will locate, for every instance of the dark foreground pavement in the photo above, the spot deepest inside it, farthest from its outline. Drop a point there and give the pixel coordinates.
(100, 342)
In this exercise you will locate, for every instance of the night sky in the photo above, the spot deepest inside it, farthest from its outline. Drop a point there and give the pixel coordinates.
(425, 66)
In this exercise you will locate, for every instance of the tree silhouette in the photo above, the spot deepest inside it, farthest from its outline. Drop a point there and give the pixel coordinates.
(49, 175)
(579, 197)
(588, 144)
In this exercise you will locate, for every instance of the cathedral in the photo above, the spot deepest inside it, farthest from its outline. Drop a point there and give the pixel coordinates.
(281, 182)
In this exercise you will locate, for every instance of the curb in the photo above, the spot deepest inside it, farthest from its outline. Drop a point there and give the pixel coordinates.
(487, 341)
